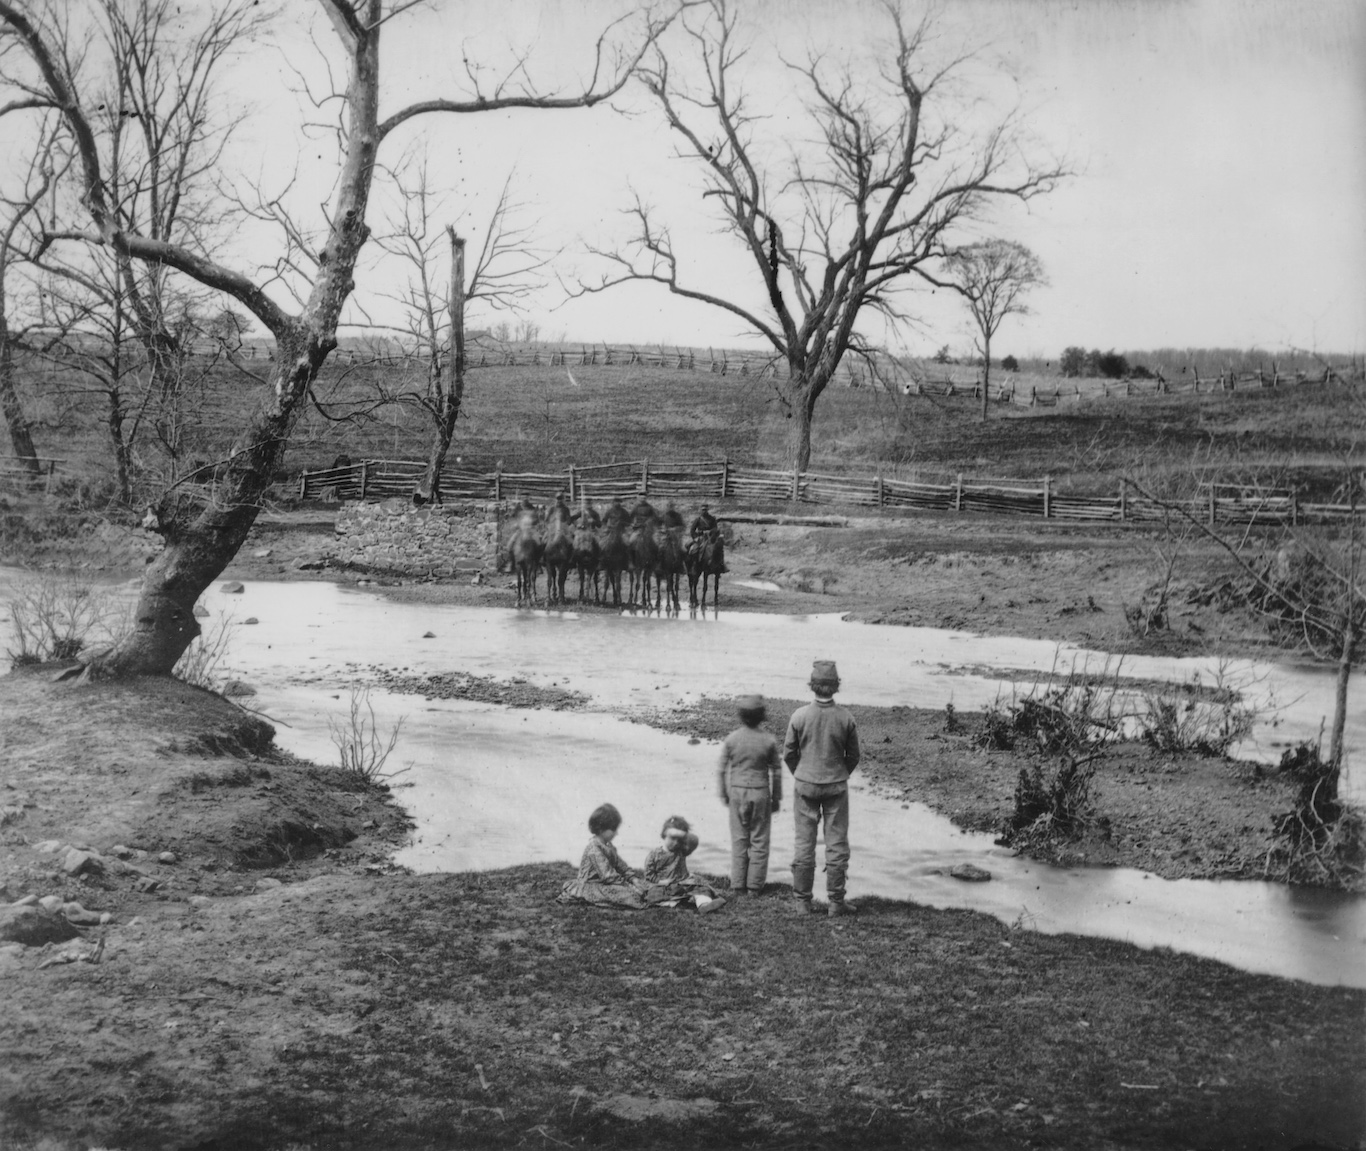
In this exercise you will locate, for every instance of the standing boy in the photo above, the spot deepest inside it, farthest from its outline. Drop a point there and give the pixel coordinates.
(821, 750)
(751, 781)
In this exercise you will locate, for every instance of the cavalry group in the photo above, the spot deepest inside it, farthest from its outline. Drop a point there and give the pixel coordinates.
(649, 547)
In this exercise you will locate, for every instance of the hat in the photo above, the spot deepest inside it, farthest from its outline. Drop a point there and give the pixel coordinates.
(750, 703)
(823, 671)
(690, 843)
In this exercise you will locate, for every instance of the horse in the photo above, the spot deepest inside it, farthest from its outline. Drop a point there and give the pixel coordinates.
(585, 559)
(643, 550)
(524, 552)
(669, 566)
(707, 558)
(614, 556)
(558, 555)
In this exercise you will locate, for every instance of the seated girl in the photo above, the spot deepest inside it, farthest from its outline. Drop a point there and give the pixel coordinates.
(603, 879)
(666, 868)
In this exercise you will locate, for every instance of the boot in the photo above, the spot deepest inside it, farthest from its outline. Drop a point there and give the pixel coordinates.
(839, 907)
(802, 880)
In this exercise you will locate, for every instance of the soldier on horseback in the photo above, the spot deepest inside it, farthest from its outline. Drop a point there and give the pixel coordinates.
(672, 520)
(616, 515)
(704, 524)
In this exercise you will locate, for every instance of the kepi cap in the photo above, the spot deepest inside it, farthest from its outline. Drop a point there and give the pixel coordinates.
(823, 671)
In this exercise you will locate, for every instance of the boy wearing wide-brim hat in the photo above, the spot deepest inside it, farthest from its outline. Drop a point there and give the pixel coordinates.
(751, 780)
(821, 750)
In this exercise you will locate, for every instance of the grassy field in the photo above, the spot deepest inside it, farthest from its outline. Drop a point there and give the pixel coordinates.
(544, 419)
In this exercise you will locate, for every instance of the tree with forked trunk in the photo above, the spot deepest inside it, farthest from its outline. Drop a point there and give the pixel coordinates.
(204, 528)
(836, 234)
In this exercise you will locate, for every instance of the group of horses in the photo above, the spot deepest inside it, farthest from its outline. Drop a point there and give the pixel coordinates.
(645, 547)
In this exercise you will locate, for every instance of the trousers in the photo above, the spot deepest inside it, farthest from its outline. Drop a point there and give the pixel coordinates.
(751, 824)
(833, 812)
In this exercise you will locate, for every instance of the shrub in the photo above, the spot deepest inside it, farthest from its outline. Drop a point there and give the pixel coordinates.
(1320, 840)
(1192, 718)
(1052, 808)
(1010, 364)
(199, 664)
(943, 356)
(362, 748)
(1111, 365)
(56, 617)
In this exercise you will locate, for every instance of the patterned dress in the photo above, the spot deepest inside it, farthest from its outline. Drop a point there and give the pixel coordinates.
(669, 877)
(604, 880)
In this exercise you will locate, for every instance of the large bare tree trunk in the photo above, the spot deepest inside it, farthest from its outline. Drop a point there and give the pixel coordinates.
(21, 438)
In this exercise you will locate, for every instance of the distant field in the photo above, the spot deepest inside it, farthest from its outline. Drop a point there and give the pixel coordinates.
(543, 419)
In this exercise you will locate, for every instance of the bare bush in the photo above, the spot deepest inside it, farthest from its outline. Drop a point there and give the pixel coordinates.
(1321, 840)
(1053, 808)
(1066, 713)
(363, 748)
(199, 665)
(1192, 717)
(55, 617)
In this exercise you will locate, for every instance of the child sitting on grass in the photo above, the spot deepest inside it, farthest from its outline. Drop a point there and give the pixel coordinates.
(666, 868)
(603, 879)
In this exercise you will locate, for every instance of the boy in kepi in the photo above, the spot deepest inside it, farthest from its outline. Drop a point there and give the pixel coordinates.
(821, 750)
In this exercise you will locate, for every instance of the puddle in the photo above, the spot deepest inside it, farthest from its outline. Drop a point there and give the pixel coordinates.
(494, 787)
(756, 584)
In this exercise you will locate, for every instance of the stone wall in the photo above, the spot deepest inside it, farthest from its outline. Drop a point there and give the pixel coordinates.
(394, 536)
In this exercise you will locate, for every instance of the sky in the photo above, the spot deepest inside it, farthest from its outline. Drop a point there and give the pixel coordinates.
(1218, 150)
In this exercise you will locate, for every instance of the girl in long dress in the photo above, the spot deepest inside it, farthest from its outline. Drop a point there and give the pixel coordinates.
(666, 868)
(603, 879)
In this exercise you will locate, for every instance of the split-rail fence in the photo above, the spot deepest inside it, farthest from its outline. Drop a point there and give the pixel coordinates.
(720, 479)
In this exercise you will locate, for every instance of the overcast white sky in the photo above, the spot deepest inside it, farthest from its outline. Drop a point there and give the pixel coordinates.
(1220, 147)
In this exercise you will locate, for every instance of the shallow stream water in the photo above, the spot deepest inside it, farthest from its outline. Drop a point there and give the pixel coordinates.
(491, 786)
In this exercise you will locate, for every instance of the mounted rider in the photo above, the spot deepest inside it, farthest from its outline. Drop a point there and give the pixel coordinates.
(671, 519)
(643, 514)
(704, 524)
(616, 516)
(560, 511)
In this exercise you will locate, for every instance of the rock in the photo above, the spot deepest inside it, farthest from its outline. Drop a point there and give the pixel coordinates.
(970, 872)
(34, 926)
(200, 611)
(166, 857)
(251, 619)
(235, 688)
(81, 862)
(121, 851)
(232, 587)
(48, 847)
(147, 884)
(261, 553)
(268, 883)
(429, 635)
(78, 915)
(304, 565)
(199, 902)
(26, 901)
(51, 902)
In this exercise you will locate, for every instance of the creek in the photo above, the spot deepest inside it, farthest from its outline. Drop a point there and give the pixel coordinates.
(491, 786)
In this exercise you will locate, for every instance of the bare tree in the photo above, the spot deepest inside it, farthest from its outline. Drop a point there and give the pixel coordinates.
(838, 232)
(992, 276)
(203, 529)
(20, 235)
(505, 271)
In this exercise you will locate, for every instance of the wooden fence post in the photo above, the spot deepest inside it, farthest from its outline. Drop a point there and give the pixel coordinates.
(1295, 509)
(1033, 395)
(796, 483)
(958, 494)
(571, 483)
(1047, 496)
(725, 477)
(645, 477)
(364, 476)
(879, 489)
(1211, 505)
(1123, 499)
(498, 486)
(303, 484)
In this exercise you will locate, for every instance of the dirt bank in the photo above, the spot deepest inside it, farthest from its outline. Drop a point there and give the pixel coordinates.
(279, 987)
